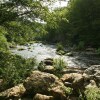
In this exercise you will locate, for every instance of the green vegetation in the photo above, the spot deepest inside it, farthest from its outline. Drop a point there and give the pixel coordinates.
(92, 93)
(77, 25)
(98, 51)
(59, 65)
(59, 46)
(14, 69)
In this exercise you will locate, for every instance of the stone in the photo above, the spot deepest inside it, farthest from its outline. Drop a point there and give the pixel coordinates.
(73, 78)
(21, 49)
(92, 70)
(48, 61)
(45, 83)
(49, 69)
(16, 91)
(91, 84)
(69, 54)
(61, 52)
(42, 97)
(46, 65)
(94, 73)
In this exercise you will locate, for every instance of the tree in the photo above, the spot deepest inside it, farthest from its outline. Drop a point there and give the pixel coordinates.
(19, 16)
(84, 17)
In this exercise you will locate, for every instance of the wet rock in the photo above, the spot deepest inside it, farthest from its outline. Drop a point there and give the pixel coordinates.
(90, 49)
(21, 49)
(69, 54)
(45, 83)
(42, 97)
(60, 52)
(16, 91)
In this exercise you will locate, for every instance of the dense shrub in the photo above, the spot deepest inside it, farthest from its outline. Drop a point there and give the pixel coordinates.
(92, 93)
(3, 40)
(14, 69)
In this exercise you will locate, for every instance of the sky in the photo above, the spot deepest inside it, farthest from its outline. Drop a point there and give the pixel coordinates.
(59, 3)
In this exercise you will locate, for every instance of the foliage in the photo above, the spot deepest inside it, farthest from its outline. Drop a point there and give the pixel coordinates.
(92, 93)
(19, 32)
(84, 21)
(59, 46)
(56, 26)
(79, 21)
(14, 69)
(3, 40)
(80, 46)
(59, 64)
(98, 51)
(19, 20)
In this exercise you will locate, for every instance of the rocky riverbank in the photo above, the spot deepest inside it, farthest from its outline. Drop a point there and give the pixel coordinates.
(46, 84)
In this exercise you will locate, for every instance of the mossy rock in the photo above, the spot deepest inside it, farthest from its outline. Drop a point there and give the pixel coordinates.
(61, 52)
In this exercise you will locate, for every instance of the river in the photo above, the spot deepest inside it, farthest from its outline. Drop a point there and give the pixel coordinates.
(40, 52)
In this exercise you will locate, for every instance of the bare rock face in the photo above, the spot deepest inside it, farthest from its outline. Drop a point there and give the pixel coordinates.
(73, 80)
(45, 83)
(94, 73)
(93, 70)
(16, 91)
(42, 97)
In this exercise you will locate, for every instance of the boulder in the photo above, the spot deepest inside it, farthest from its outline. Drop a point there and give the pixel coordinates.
(49, 69)
(48, 61)
(46, 65)
(45, 83)
(74, 80)
(16, 91)
(42, 97)
(93, 70)
(94, 73)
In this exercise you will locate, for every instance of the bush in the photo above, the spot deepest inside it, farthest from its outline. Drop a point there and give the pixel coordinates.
(59, 64)
(92, 93)
(3, 40)
(59, 47)
(14, 69)
(81, 45)
(98, 51)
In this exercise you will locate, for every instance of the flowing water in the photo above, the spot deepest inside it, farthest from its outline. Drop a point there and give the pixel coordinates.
(40, 52)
